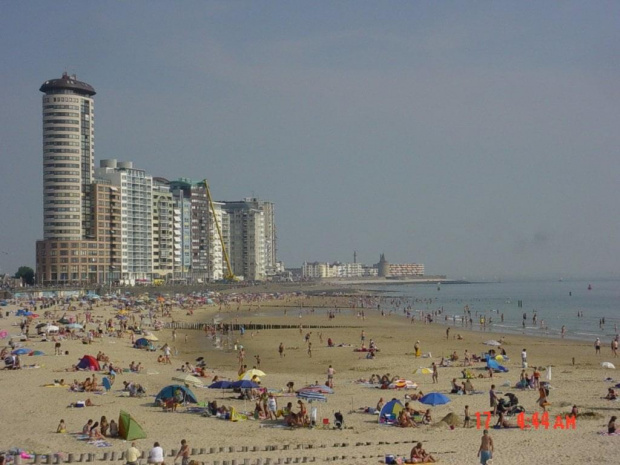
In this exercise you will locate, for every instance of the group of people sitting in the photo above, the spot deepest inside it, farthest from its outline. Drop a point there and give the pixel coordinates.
(466, 387)
(101, 357)
(299, 418)
(134, 389)
(95, 430)
(410, 417)
(419, 455)
(135, 367)
(88, 385)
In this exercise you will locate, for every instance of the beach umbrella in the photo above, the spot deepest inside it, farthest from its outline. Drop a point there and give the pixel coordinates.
(21, 351)
(252, 373)
(37, 352)
(188, 379)
(150, 337)
(311, 396)
(221, 385)
(492, 342)
(434, 398)
(74, 326)
(608, 365)
(423, 371)
(244, 384)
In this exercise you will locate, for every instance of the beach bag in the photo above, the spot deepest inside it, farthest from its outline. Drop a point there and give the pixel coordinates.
(390, 459)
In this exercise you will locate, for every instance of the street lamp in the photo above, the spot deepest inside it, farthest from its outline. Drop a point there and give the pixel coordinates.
(111, 275)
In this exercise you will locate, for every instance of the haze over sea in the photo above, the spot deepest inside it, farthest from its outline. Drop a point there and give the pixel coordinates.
(555, 302)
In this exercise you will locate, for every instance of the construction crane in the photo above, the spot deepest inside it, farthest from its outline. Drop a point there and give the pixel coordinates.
(230, 276)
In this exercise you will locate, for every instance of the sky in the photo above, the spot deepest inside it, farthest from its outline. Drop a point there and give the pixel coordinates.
(478, 138)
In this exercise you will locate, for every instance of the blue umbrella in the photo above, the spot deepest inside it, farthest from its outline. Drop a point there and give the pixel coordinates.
(312, 396)
(434, 398)
(21, 351)
(244, 384)
(221, 385)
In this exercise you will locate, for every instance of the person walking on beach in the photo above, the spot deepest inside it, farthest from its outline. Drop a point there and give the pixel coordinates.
(485, 452)
(281, 350)
(597, 346)
(493, 399)
(614, 347)
(435, 373)
(310, 349)
(183, 453)
(523, 358)
(330, 376)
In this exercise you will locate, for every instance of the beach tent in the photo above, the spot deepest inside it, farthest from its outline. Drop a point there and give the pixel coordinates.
(141, 343)
(128, 428)
(390, 411)
(89, 362)
(495, 366)
(168, 393)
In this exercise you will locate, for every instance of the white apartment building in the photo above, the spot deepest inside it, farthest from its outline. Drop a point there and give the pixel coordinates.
(247, 239)
(136, 189)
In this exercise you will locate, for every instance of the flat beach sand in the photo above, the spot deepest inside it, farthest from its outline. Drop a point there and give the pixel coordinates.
(30, 412)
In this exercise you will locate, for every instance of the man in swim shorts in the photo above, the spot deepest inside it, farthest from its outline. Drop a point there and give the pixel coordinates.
(486, 448)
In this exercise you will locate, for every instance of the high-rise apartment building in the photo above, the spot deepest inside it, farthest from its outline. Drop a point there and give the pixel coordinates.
(68, 157)
(136, 188)
(115, 223)
(78, 215)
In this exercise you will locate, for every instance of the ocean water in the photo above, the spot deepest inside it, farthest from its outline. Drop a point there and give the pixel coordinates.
(555, 302)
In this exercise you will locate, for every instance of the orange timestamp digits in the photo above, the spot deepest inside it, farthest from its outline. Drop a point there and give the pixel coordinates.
(535, 421)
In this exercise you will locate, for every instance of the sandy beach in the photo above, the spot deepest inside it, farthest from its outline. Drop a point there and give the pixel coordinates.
(31, 412)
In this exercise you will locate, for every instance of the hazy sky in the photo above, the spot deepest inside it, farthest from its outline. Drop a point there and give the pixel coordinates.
(478, 138)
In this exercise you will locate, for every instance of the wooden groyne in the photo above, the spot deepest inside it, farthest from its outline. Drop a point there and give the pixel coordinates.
(238, 455)
(246, 326)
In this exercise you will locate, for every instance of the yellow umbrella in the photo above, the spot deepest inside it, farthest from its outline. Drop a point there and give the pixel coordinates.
(188, 379)
(150, 337)
(423, 371)
(251, 373)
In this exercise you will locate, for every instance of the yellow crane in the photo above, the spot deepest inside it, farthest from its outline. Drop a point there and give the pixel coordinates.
(230, 276)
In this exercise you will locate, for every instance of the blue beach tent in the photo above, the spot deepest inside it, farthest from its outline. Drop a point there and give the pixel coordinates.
(168, 393)
(495, 366)
(390, 411)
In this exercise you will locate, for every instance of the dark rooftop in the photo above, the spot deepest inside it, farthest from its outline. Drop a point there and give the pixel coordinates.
(68, 82)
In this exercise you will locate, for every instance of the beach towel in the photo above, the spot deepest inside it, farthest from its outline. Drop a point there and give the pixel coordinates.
(99, 443)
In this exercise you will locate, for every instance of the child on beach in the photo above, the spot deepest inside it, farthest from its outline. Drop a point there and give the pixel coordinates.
(61, 427)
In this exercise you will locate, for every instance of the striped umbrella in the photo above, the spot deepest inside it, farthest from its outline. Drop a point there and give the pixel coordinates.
(311, 396)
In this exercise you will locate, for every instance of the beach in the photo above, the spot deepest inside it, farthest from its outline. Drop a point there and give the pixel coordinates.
(31, 412)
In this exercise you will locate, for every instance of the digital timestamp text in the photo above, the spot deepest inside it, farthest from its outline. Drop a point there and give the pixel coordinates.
(535, 421)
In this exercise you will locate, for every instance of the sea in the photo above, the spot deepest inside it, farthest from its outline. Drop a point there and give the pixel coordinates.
(556, 302)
